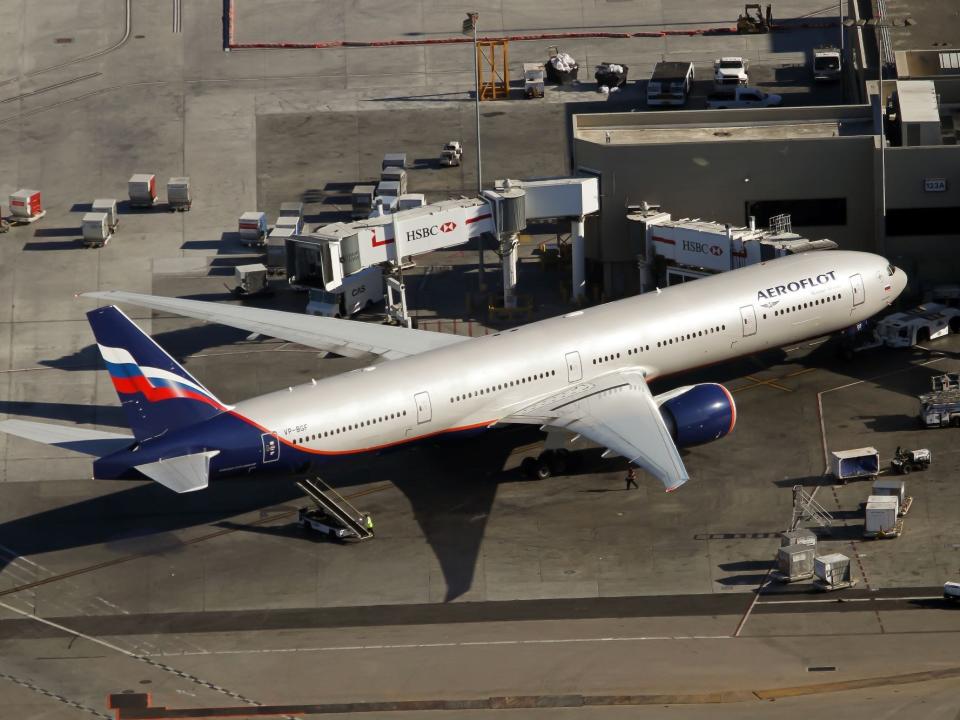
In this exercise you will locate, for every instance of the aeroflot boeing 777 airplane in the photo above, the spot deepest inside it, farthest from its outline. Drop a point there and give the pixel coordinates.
(583, 374)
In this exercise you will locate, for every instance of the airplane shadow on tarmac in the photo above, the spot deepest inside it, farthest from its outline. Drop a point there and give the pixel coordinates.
(450, 484)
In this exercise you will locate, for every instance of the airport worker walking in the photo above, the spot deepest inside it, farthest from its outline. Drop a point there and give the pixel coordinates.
(631, 478)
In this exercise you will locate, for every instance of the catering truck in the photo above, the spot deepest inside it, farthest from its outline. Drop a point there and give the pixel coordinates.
(358, 291)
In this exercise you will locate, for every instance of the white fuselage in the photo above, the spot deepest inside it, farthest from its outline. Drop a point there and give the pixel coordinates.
(475, 383)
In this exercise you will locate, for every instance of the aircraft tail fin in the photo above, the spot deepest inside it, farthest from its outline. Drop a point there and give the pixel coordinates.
(156, 392)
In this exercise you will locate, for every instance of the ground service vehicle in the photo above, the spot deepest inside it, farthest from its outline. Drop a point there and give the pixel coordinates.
(941, 406)
(452, 154)
(753, 20)
(670, 84)
(741, 96)
(951, 591)
(925, 322)
(906, 461)
(826, 64)
(358, 291)
(729, 71)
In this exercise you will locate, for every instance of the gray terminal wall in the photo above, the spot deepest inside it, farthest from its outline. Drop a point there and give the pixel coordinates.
(719, 179)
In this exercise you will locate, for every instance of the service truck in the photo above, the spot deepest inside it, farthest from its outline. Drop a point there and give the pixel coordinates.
(729, 71)
(670, 84)
(741, 96)
(357, 292)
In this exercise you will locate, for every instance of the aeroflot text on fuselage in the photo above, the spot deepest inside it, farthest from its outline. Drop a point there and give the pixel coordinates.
(796, 285)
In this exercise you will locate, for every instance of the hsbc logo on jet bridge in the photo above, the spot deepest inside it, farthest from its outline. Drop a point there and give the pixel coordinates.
(420, 233)
(792, 287)
(701, 247)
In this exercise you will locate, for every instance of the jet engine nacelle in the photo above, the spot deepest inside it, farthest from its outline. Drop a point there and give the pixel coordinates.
(698, 414)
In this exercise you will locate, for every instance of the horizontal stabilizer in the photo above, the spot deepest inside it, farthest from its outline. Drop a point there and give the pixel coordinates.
(182, 474)
(68, 437)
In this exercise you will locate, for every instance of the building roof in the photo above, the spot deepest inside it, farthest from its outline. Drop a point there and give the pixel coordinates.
(659, 135)
(918, 101)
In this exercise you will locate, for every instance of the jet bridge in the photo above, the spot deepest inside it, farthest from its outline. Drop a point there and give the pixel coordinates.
(325, 256)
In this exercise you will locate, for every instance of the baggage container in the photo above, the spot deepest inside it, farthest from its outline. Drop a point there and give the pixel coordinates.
(293, 222)
(142, 189)
(795, 562)
(896, 488)
(880, 516)
(389, 188)
(178, 193)
(397, 160)
(395, 174)
(291, 209)
(26, 205)
(833, 569)
(277, 250)
(108, 206)
(798, 537)
(250, 279)
(96, 229)
(253, 228)
(409, 201)
(858, 463)
(362, 201)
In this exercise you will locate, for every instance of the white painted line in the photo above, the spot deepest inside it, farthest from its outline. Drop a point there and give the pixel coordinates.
(850, 600)
(471, 643)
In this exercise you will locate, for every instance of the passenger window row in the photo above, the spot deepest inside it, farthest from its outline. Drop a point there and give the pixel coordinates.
(616, 356)
(803, 306)
(504, 386)
(349, 428)
(691, 335)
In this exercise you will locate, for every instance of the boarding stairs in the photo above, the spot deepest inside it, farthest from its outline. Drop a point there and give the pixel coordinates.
(807, 509)
(336, 507)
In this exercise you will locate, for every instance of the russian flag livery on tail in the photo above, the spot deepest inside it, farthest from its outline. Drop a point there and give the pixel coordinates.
(157, 393)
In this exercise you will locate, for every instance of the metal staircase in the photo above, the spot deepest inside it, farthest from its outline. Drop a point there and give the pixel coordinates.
(807, 509)
(336, 507)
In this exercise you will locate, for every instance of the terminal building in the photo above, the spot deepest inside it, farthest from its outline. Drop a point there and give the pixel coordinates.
(881, 175)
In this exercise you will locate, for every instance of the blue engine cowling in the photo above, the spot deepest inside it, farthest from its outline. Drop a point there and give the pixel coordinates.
(702, 414)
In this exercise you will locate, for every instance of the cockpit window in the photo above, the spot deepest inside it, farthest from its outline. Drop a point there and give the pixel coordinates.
(891, 270)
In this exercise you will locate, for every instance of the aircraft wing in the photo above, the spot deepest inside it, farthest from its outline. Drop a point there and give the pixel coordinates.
(68, 437)
(617, 412)
(343, 337)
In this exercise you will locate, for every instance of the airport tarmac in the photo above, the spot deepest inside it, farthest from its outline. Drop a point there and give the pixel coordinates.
(482, 589)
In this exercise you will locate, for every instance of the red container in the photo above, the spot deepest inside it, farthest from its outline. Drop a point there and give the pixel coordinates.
(26, 203)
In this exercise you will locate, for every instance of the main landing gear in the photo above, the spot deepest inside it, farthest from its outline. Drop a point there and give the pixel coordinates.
(549, 463)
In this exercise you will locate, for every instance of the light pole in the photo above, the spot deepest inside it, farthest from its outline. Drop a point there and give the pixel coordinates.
(470, 24)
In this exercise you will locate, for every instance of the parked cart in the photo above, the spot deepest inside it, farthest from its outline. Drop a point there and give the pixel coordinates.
(832, 572)
(855, 464)
(26, 206)
(96, 229)
(108, 206)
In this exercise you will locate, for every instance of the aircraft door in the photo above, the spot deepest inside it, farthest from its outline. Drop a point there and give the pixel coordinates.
(856, 282)
(271, 447)
(749, 317)
(424, 412)
(574, 369)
